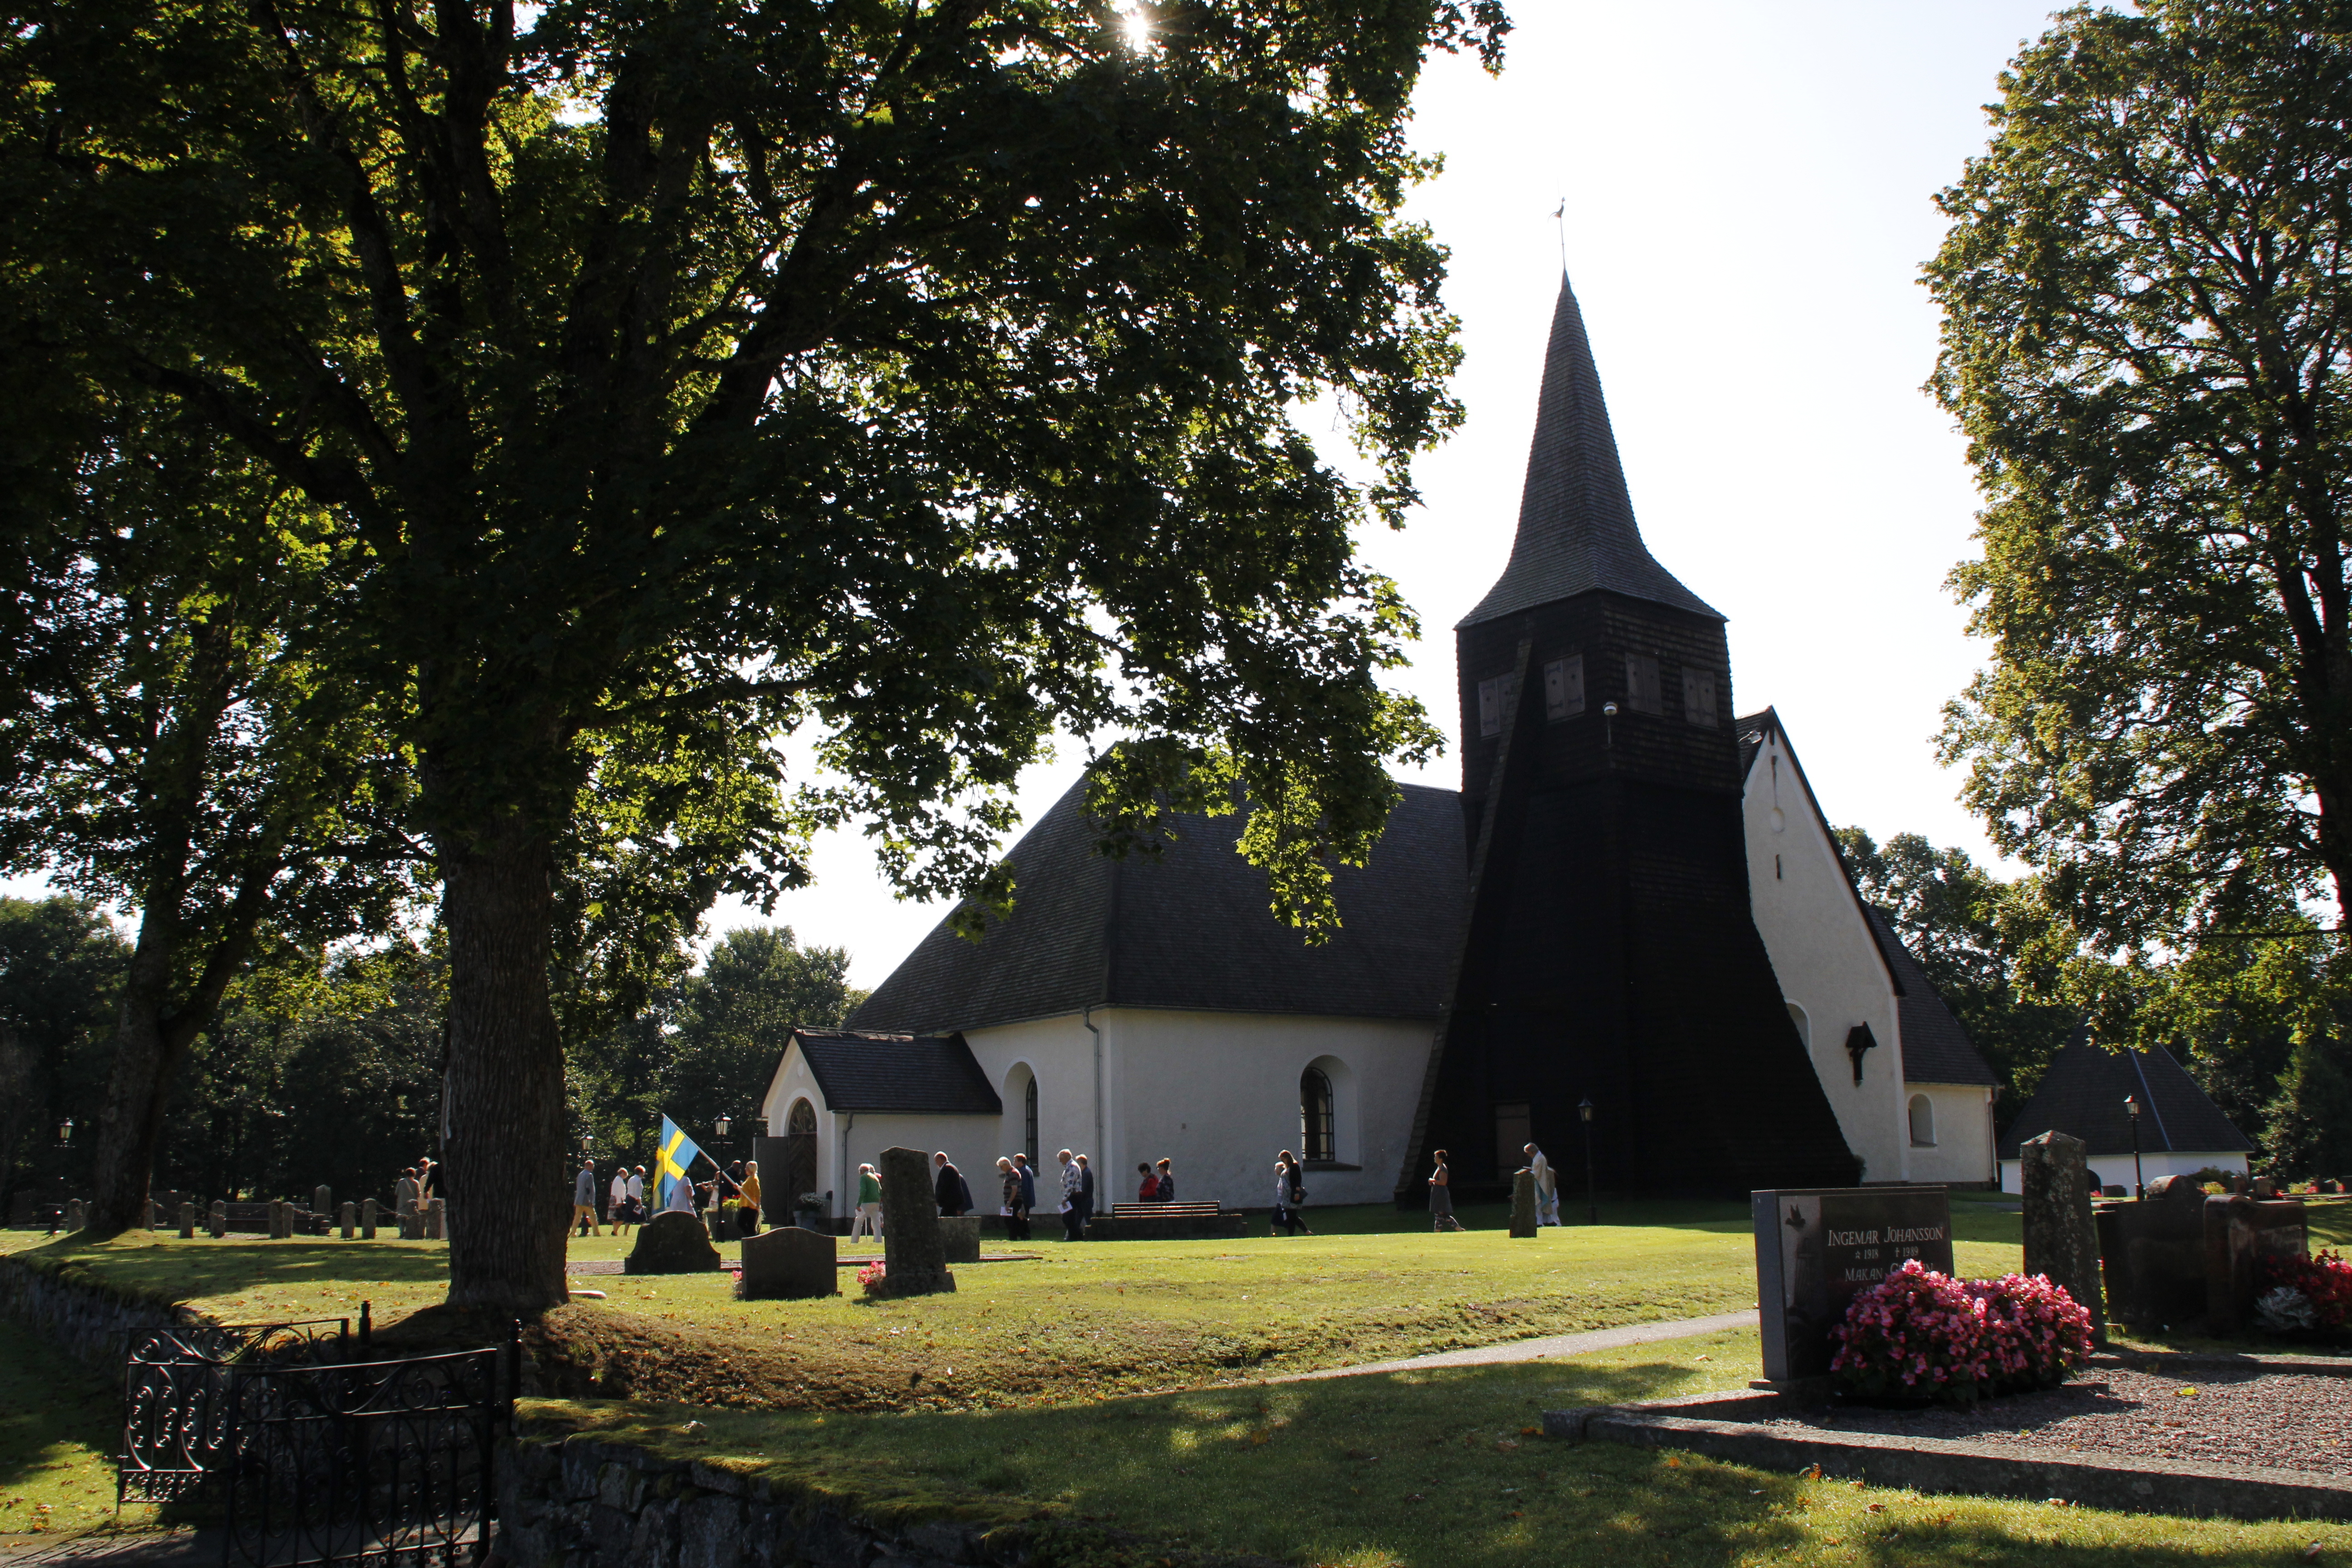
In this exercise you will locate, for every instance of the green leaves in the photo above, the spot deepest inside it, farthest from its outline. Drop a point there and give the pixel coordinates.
(2145, 338)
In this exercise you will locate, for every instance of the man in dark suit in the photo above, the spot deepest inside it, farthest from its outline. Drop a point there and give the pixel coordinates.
(948, 1185)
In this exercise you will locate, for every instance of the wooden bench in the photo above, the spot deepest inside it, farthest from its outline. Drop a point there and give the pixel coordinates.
(1167, 1221)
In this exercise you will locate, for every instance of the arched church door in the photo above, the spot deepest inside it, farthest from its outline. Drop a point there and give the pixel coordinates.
(800, 1158)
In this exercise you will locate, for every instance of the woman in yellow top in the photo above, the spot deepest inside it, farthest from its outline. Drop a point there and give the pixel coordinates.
(746, 1217)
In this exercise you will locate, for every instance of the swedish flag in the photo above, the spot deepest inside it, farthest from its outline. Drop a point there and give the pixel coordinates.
(676, 1156)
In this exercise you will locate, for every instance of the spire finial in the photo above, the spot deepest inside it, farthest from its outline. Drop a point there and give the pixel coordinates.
(1559, 218)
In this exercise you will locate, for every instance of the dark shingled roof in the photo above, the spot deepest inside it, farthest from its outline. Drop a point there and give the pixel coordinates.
(1577, 531)
(1192, 930)
(1936, 1049)
(2083, 1092)
(918, 1075)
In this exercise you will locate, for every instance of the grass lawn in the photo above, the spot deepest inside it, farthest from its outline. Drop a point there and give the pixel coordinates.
(1076, 1323)
(59, 1423)
(1429, 1469)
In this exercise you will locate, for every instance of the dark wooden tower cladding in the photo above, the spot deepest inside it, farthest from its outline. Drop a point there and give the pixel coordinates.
(1610, 951)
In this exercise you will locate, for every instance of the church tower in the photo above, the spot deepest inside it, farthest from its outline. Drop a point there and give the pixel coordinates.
(1609, 954)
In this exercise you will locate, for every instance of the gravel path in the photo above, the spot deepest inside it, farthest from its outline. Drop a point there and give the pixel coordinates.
(2280, 1420)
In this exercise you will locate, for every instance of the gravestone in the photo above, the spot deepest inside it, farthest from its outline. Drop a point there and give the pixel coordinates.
(281, 1219)
(219, 1219)
(349, 1216)
(436, 1218)
(323, 1202)
(2152, 1254)
(960, 1237)
(367, 1220)
(1815, 1247)
(789, 1264)
(73, 1214)
(2061, 1239)
(2240, 1234)
(672, 1243)
(1523, 1204)
(914, 1253)
(187, 1220)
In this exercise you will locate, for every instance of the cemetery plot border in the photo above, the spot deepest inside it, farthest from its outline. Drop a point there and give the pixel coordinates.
(1775, 1431)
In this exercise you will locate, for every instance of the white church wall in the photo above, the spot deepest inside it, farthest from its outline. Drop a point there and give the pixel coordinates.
(1060, 1054)
(1959, 1122)
(2116, 1170)
(1827, 963)
(1217, 1094)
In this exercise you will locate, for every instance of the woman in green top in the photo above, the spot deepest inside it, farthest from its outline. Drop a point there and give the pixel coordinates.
(869, 1203)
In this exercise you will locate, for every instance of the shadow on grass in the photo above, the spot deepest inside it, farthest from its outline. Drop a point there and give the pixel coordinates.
(185, 1270)
(58, 1424)
(1442, 1467)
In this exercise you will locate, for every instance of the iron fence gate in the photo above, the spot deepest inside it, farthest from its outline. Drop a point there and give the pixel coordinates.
(314, 1452)
(175, 1403)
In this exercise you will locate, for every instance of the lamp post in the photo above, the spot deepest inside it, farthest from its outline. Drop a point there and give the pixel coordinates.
(2131, 1110)
(1591, 1203)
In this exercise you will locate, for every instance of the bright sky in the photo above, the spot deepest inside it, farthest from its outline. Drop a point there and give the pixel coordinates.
(1749, 197)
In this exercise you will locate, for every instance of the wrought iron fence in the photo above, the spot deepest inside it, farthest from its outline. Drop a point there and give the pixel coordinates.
(366, 1461)
(315, 1452)
(175, 1396)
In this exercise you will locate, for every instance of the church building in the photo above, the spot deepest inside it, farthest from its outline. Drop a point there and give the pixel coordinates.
(1630, 925)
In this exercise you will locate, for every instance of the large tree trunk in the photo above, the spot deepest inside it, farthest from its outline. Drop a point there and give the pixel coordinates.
(508, 1194)
(148, 1047)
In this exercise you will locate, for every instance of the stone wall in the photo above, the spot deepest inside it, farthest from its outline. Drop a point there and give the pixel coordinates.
(87, 1320)
(570, 1500)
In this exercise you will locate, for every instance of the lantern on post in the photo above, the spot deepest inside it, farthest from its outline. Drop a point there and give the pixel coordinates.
(1591, 1203)
(2131, 1112)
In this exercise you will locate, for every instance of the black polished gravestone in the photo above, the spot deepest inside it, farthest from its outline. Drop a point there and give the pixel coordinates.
(1815, 1247)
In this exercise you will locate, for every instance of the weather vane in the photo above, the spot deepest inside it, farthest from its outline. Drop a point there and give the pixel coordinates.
(1559, 218)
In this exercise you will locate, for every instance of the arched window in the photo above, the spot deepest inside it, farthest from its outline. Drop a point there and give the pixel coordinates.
(1315, 1116)
(1029, 1120)
(1923, 1122)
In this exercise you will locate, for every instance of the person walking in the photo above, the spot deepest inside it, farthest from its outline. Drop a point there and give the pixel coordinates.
(869, 1203)
(637, 1195)
(616, 1201)
(681, 1197)
(1167, 1178)
(404, 1201)
(1086, 1193)
(1441, 1198)
(1028, 1192)
(1289, 1195)
(1016, 1217)
(947, 1186)
(1074, 1214)
(584, 1198)
(1547, 1186)
(747, 1198)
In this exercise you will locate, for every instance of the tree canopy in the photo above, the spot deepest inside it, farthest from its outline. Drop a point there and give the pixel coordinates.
(682, 376)
(2145, 316)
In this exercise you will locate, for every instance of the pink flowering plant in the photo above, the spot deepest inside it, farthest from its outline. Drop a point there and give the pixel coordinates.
(1920, 1334)
(2035, 1334)
(871, 1277)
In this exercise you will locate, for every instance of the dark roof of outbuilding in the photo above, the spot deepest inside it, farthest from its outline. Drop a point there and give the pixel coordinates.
(2083, 1091)
(1577, 532)
(1936, 1049)
(1192, 930)
(912, 1075)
